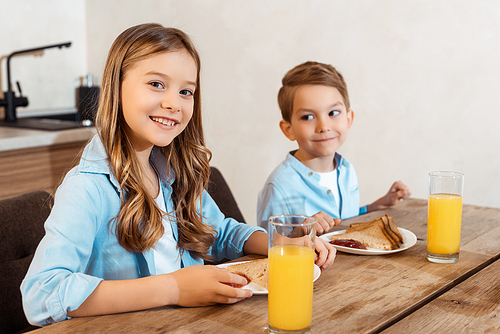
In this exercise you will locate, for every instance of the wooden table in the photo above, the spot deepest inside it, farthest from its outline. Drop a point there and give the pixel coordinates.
(472, 306)
(396, 293)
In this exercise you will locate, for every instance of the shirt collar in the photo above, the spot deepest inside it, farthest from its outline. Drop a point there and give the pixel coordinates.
(303, 169)
(160, 162)
(95, 160)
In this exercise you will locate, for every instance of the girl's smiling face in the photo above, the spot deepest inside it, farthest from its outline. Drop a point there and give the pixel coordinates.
(319, 122)
(157, 98)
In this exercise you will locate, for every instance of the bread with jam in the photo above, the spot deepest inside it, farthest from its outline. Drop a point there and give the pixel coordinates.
(372, 236)
(381, 233)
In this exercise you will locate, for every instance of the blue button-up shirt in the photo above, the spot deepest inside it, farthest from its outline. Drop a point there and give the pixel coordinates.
(80, 248)
(293, 188)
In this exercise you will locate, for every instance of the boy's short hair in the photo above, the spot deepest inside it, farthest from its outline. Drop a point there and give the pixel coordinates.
(309, 73)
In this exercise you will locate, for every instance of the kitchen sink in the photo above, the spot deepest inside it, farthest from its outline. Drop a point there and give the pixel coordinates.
(50, 122)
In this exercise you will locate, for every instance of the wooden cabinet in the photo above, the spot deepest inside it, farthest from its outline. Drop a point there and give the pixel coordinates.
(39, 168)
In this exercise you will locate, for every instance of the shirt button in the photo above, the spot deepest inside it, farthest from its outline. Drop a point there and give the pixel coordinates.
(329, 191)
(310, 174)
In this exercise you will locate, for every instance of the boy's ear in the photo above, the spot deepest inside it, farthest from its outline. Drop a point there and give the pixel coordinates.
(350, 118)
(286, 128)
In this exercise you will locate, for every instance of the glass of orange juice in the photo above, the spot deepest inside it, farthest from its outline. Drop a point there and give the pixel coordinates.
(444, 219)
(291, 273)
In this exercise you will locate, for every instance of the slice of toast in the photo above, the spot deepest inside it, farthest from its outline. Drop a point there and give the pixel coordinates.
(390, 231)
(383, 226)
(389, 226)
(371, 236)
(394, 228)
(256, 271)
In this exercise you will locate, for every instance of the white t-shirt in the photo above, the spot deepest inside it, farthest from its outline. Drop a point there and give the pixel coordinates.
(166, 255)
(329, 180)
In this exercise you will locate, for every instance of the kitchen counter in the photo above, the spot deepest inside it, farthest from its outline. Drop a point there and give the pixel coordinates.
(16, 138)
(33, 160)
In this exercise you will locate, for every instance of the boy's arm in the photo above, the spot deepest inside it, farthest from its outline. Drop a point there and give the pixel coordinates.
(396, 193)
(324, 222)
(271, 202)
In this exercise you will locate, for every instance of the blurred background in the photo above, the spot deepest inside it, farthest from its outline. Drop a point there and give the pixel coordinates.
(422, 77)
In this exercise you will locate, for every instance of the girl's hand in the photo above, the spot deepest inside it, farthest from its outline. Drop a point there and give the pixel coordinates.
(207, 285)
(324, 222)
(326, 253)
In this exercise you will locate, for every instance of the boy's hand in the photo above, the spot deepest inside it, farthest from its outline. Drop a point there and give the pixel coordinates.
(398, 192)
(324, 222)
(326, 253)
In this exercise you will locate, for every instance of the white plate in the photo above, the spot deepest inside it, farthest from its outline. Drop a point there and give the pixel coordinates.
(257, 289)
(409, 239)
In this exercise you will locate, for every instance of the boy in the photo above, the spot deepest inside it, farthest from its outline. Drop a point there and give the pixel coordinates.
(315, 180)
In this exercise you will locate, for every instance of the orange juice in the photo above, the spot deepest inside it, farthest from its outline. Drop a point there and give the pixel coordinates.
(291, 271)
(443, 224)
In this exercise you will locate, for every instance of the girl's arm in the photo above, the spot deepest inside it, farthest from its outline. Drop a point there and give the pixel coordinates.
(191, 286)
(257, 243)
(128, 295)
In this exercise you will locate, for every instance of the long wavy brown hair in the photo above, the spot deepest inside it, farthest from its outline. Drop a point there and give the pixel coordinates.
(139, 221)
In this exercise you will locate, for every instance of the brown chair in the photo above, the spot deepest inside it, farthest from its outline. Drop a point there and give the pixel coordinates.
(21, 229)
(220, 192)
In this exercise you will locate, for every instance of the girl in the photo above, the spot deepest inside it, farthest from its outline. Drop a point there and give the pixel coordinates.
(131, 224)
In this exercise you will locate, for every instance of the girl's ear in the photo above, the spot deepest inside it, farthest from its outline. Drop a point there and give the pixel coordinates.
(287, 130)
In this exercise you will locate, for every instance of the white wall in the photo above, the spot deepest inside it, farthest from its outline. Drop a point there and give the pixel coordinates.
(48, 81)
(422, 76)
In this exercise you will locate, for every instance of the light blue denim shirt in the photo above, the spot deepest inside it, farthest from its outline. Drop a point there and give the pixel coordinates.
(293, 188)
(80, 248)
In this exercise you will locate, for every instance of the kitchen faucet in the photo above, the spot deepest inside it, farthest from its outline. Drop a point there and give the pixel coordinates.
(11, 101)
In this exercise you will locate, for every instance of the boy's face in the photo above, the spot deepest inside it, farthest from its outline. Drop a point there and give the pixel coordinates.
(319, 122)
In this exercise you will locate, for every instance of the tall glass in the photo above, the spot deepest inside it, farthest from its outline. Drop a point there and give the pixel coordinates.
(291, 273)
(444, 220)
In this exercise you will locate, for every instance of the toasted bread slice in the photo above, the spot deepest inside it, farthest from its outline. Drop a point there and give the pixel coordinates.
(256, 271)
(389, 226)
(360, 226)
(372, 236)
(390, 231)
(394, 228)
(385, 230)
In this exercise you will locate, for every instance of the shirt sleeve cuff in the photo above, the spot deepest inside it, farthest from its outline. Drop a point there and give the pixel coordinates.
(363, 210)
